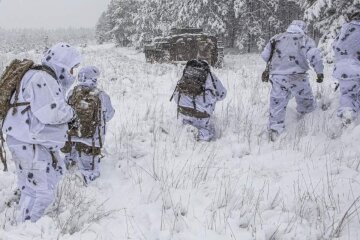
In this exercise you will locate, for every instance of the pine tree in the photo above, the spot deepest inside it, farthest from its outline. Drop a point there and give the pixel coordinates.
(245, 24)
(150, 20)
(121, 19)
(103, 29)
(327, 16)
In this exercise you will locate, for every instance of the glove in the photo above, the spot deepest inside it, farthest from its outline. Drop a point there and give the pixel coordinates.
(320, 78)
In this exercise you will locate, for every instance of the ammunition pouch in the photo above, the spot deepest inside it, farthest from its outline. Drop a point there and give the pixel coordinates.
(66, 148)
(88, 150)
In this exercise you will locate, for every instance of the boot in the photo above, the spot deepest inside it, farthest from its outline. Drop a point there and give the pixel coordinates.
(273, 135)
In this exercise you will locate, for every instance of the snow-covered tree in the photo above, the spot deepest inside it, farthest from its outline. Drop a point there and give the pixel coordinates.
(22, 40)
(257, 21)
(103, 29)
(151, 20)
(245, 24)
(327, 16)
(121, 14)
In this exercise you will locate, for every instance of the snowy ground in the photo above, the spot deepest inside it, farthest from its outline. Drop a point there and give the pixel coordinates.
(158, 183)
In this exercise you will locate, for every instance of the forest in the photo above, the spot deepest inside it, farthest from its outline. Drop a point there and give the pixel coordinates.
(157, 181)
(22, 40)
(242, 24)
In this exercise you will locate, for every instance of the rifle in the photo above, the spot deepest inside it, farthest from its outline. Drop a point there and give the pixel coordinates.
(265, 77)
(172, 96)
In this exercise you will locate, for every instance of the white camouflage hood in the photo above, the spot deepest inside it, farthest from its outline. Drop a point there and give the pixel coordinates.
(88, 76)
(297, 26)
(62, 58)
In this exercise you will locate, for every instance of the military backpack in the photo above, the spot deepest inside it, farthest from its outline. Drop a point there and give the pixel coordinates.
(87, 106)
(193, 84)
(10, 82)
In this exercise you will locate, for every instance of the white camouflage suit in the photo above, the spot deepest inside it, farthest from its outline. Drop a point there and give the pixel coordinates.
(215, 92)
(288, 73)
(88, 164)
(34, 137)
(347, 69)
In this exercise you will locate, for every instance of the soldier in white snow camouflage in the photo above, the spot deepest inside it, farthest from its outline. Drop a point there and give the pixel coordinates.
(36, 132)
(347, 68)
(197, 110)
(86, 151)
(289, 64)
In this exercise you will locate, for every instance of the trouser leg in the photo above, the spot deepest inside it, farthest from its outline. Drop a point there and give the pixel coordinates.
(349, 99)
(71, 157)
(89, 166)
(206, 129)
(59, 168)
(301, 90)
(37, 177)
(279, 99)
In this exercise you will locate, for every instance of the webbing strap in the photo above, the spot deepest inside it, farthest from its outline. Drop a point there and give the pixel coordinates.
(45, 69)
(54, 160)
(18, 104)
(2, 150)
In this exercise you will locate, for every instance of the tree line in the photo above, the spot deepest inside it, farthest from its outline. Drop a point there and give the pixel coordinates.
(326, 18)
(242, 24)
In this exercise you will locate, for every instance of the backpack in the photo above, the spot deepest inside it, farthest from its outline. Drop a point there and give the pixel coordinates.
(10, 82)
(87, 106)
(192, 84)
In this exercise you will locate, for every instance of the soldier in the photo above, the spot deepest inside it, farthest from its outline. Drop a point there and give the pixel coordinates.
(196, 95)
(37, 130)
(93, 109)
(289, 55)
(347, 68)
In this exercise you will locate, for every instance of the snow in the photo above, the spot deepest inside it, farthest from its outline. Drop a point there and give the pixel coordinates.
(158, 183)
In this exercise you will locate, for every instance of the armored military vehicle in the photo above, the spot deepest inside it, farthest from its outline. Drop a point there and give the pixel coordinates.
(184, 44)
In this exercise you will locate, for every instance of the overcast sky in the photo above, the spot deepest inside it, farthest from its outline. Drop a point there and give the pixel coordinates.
(50, 13)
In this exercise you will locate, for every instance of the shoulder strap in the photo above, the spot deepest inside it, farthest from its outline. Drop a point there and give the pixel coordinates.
(213, 81)
(2, 149)
(273, 45)
(70, 99)
(27, 104)
(45, 69)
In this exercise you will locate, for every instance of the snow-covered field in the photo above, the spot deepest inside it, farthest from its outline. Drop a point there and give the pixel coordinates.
(158, 183)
